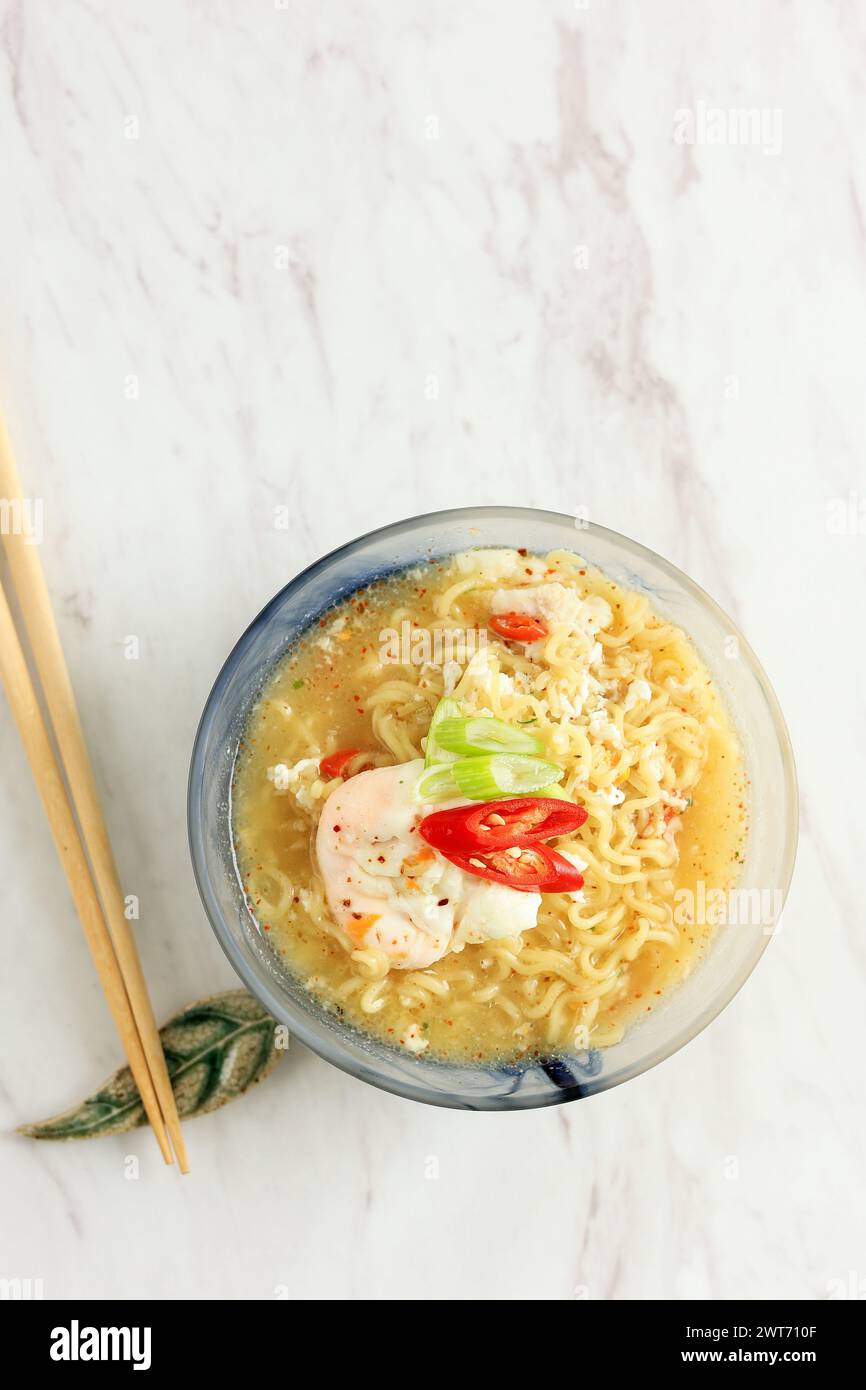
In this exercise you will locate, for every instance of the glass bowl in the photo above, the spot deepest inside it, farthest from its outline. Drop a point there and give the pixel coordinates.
(769, 856)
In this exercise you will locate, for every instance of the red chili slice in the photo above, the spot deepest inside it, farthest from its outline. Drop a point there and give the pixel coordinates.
(335, 764)
(519, 820)
(518, 627)
(537, 870)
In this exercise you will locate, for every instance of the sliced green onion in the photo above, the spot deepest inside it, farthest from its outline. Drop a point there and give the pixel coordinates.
(446, 709)
(503, 774)
(470, 737)
(556, 792)
(437, 784)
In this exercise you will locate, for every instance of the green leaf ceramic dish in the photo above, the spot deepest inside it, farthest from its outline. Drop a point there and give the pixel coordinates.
(215, 1050)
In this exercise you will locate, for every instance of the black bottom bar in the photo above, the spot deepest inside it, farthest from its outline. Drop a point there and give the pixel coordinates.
(146, 1337)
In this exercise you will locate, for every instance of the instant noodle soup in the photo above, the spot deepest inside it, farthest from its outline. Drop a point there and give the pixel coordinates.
(489, 952)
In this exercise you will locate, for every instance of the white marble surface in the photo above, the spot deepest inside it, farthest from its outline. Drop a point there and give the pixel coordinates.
(338, 267)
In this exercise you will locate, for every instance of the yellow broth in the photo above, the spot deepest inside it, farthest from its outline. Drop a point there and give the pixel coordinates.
(571, 982)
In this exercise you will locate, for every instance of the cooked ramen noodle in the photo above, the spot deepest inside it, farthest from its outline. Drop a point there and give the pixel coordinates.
(532, 670)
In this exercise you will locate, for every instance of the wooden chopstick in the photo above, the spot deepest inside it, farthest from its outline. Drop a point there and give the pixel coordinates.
(38, 616)
(37, 745)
